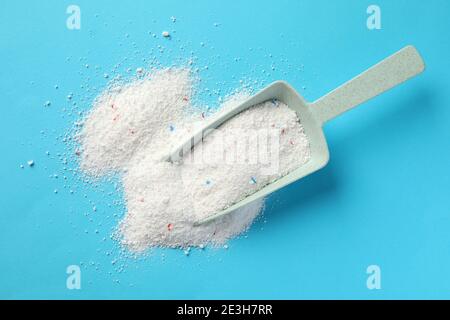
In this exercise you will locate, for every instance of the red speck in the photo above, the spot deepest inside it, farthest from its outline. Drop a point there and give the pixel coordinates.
(116, 117)
(112, 105)
(169, 226)
(141, 199)
(78, 153)
(132, 131)
(291, 142)
(185, 99)
(283, 131)
(273, 126)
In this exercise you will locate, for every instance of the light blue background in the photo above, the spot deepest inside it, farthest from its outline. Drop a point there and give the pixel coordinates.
(383, 199)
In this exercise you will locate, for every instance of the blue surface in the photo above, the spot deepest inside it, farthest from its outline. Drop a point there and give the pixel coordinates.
(383, 199)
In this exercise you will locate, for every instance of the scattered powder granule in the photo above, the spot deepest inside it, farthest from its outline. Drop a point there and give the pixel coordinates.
(132, 126)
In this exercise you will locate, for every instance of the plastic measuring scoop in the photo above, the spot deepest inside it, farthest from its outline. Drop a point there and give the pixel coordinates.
(383, 76)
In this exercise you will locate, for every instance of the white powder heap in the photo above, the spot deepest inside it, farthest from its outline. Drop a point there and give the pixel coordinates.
(132, 127)
(129, 117)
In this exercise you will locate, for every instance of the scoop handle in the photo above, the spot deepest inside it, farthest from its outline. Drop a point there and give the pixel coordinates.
(383, 76)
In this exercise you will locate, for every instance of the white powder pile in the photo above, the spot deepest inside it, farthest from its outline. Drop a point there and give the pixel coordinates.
(131, 127)
(126, 118)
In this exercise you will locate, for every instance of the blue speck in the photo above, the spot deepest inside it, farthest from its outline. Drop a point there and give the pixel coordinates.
(275, 102)
(208, 182)
(252, 180)
(172, 128)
